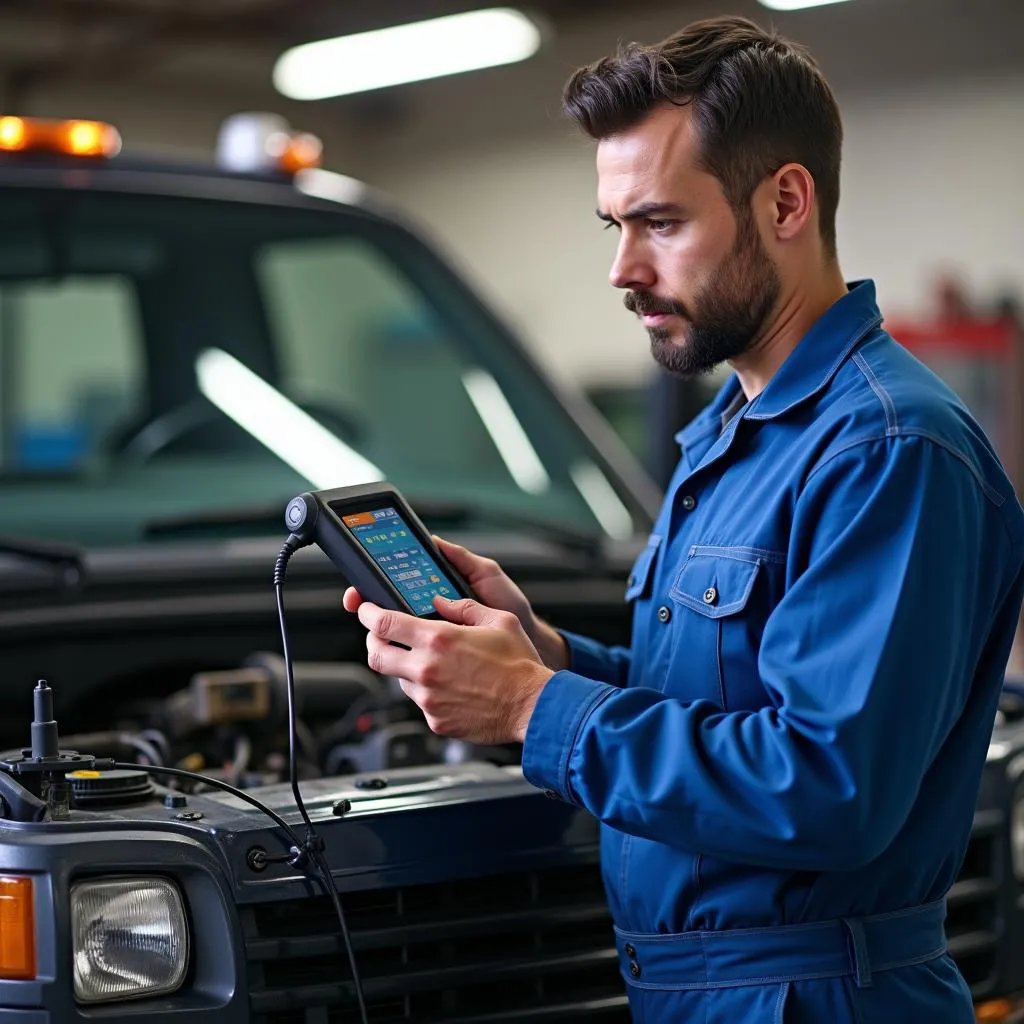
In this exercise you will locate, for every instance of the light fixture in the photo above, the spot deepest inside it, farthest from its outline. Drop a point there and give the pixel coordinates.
(797, 5)
(405, 53)
(279, 424)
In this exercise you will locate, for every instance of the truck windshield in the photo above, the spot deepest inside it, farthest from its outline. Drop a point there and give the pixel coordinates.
(161, 356)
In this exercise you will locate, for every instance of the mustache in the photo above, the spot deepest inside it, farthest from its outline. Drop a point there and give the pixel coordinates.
(646, 304)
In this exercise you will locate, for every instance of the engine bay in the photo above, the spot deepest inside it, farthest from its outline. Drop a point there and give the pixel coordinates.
(177, 660)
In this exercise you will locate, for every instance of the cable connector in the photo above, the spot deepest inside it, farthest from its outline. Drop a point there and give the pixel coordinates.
(312, 847)
(291, 545)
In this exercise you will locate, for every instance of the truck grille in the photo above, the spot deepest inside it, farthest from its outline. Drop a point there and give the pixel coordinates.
(529, 947)
(526, 947)
(974, 924)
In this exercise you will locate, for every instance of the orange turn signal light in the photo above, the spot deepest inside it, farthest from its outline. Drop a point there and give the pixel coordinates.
(996, 1011)
(17, 929)
(76, 138)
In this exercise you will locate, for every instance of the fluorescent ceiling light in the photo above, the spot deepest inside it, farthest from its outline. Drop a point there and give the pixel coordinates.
(606, 505)
(797, 5)
(279, 424)
(405, 53)
(507, 433)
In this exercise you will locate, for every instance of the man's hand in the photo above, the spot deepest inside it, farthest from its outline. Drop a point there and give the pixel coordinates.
(496, 590)
(476, 676)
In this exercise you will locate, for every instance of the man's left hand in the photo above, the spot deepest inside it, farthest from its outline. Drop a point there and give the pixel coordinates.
(476, 676)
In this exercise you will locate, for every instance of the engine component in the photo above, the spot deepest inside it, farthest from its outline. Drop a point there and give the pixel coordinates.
(399, 745)
(324, 690)
(238, 695)
(116, 788)
(258, 692)
(44, 766)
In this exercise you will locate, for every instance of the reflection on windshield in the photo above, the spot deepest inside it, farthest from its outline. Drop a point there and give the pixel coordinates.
(279, 424)
(506, 431)
(606, 505)
(160, 356)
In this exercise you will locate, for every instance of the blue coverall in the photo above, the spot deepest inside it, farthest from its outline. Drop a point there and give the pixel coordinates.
(790, 750)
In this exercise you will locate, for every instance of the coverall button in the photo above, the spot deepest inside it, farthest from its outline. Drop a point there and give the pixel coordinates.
(689, 503)
(631, 582)
(710, 595)
(630, 950)
(634, 968)
(664, 613)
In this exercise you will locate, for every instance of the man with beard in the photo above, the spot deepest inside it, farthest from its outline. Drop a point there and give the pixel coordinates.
(786, 760)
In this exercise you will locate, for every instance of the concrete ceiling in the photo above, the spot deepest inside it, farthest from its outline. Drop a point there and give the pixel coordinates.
(44, 41)
(219, 54)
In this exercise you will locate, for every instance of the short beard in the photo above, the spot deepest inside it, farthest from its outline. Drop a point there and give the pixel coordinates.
(727, 315)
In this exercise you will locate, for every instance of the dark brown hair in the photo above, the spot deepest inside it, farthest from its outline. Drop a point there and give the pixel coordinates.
(759, 102)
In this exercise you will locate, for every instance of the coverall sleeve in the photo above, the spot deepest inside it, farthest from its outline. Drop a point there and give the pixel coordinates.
(900, 565)
(595, 660)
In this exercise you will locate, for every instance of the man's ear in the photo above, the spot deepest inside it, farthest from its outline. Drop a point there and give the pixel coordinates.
(792, 195)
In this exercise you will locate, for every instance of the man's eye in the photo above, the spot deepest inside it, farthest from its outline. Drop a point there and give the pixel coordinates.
(611, 224)
(660, 225)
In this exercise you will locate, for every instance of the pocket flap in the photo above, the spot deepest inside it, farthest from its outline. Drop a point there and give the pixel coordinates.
(716, 581)
(643, 567)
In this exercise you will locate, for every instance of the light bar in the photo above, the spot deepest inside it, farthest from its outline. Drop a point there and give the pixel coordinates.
(507, 433)
(279, 424)
(421, 50)
(258, 142)
(797, 5)
(75, 138)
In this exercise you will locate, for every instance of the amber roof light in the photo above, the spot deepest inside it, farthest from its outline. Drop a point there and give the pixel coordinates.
(72, 137)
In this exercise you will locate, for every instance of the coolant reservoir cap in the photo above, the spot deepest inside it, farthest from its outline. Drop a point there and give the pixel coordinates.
(114, 788)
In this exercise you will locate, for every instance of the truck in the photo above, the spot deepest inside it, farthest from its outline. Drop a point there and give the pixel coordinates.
(183, 348)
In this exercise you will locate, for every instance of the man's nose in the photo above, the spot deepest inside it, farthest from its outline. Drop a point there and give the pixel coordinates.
(630, 269)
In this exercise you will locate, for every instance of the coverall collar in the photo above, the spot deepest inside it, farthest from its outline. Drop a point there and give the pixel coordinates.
(807, 370)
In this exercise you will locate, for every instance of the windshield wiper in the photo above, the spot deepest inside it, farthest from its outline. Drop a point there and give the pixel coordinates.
(67, 559)
(432, 511)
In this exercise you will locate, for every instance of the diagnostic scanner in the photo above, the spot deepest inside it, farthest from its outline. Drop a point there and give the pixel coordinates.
(380, 545)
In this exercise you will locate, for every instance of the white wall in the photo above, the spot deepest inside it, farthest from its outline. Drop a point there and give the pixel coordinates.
(933, 178)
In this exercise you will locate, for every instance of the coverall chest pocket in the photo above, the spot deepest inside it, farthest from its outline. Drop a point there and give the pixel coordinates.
(639, 582)
(722, 597)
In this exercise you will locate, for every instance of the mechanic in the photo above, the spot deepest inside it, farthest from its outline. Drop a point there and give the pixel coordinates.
(786, 760)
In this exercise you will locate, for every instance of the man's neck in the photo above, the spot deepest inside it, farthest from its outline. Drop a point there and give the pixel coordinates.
(798, 309)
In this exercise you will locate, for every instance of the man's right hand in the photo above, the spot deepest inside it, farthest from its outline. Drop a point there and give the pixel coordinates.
(496, 590)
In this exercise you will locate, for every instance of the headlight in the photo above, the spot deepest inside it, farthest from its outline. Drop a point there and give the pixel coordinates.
(130, 939)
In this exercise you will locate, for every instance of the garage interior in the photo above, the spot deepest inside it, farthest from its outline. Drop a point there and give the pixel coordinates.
(230, 295)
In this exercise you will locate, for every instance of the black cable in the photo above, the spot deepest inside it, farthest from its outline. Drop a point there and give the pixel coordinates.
(313, 845)
(332, 891)
(293, 753)
(159, 740)
(142, 745)
(181, 773)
